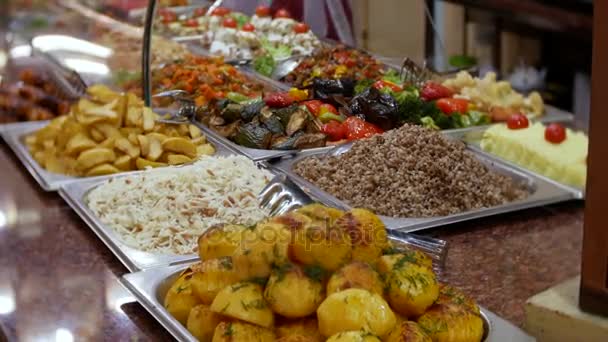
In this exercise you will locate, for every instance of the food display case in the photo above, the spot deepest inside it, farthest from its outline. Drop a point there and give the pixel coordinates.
(165, 128)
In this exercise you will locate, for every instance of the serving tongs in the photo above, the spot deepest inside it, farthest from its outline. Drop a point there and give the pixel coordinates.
(186, 111)
(74, 86)
(282, 195)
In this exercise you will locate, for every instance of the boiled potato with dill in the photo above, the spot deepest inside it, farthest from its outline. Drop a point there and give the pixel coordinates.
(307, 328)
(411, 288)
(316, 244)
(357, 274)
(211, 276)
(220, 241)
(408, 331)
(244, 301)
(319, 212)
(291, 293)
(451, 295)
(355, 309)
(353, 336)
(180, 298)
(367, 234)
(242, 332)
(402, 255)
(451, 323)
(202, 322)
(111, 132)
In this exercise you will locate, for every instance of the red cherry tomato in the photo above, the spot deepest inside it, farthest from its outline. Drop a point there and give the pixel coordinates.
(381, 84)
(219, 95)
(168, 17)
(262, 11)
(282, 13)
(229, 22)
(351, 62)
(327, 108)
(358, 129)
(248, 27)
(434, 91)
(199, 12)
(313, 106)
(517, 121)
(555, 133)
(334, 130)
(191, 23)
(450, 106)
(220, 11)
(300, 28)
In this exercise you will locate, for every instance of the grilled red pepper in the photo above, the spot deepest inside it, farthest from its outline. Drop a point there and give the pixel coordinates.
(278, 100)
(381, 84)
(313, 106)
(334, 130)
(358, 129)
(434, 91)
(450, 106)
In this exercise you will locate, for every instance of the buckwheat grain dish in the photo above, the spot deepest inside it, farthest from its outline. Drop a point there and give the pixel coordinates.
(410, 172)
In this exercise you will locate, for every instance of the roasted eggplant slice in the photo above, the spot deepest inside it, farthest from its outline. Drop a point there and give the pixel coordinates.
(310, 140)
(325, 88)
(273, 124)
(285, 142)
(378, 108)
(228, 131)
(251, 110)
(232, 112)
(297, 122)
(253, 135)
(284, 114)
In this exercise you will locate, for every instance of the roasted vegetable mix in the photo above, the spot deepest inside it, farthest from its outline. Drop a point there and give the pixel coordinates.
(314, 274)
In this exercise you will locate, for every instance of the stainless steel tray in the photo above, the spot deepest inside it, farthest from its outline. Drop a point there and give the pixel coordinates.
(74, 194)
(14, 134)
(150, 287)
(543, 192)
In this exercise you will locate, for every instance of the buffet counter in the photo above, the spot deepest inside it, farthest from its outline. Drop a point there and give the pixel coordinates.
(58, 281)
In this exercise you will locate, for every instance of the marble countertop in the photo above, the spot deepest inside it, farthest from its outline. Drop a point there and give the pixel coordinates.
(59, 282)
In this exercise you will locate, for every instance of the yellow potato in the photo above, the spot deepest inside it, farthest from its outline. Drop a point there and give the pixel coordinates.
(306, 329)
(322, 245)
(367, 234)
(408, 331)
(103, 169)
(220, 241)
(319, 212)
(211, 276)
(180, 145)
(108, 130)
(183, 129)
(353, 336)
(411, 289)
(199, 141)
(262, 247)
(176, 159)
(155, 150)
(355, 309)
(451, 323)
(102, 93)
(202, 322)
(205, 150)
(451, 295)
(126, 131)
(142, 163)
(54, 165)
(357, 274)
(180, 298)
(95, 156)
(97, 135)
(148, 119)
(79, 143)
(403, 255)
(291, 293)
(158, 136)
(132, 137)
(296, 338)
(244, 301)
(134, 117)
(194, 131)
(108, 143)
(124, 163)
(242, 332)
(144, 144)
(124, 145)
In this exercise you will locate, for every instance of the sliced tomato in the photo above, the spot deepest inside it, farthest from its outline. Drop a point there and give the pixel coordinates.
(434, 91)
(334, 130)
(357, 128)
(381, 84)
(450, 105)
(313, 106)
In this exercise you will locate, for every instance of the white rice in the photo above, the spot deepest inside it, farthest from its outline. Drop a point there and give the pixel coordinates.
(164, 211)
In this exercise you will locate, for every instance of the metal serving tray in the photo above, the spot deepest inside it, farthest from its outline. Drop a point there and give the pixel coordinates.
(543, 192)
(150, 287)
(135, 260)
(14, 135)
